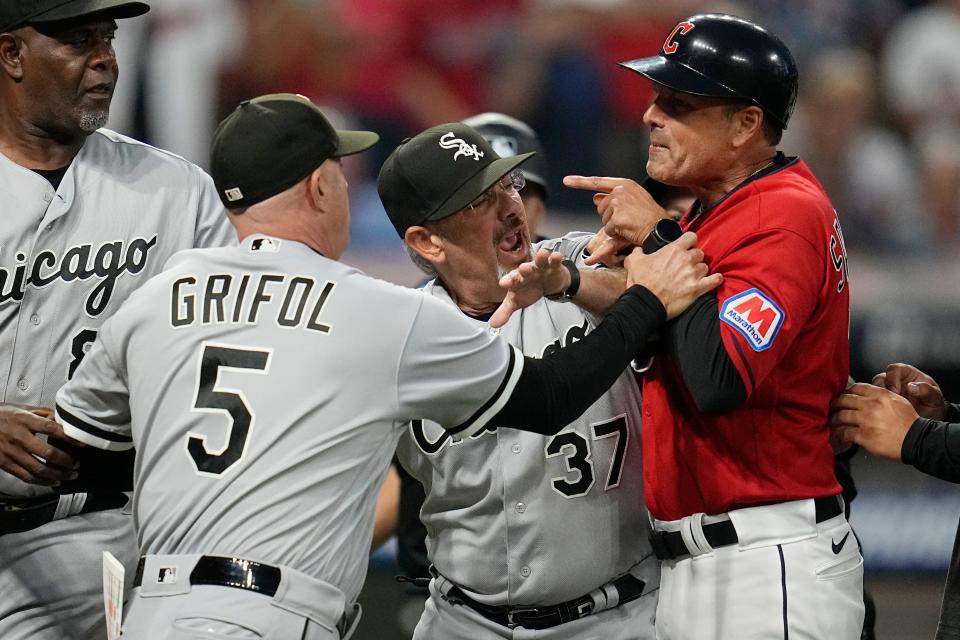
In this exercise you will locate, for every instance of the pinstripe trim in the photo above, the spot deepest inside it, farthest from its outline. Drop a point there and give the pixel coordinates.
(783, 590)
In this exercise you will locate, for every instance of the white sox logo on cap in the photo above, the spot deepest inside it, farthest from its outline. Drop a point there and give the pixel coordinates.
(450, 141)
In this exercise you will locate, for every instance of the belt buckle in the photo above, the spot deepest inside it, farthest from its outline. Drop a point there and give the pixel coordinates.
(512, 612)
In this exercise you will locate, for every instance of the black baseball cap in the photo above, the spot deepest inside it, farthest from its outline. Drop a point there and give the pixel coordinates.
(18, 13)
(439, 172)
(271, 143)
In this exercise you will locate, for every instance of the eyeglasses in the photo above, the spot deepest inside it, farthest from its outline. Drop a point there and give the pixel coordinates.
(513, 181)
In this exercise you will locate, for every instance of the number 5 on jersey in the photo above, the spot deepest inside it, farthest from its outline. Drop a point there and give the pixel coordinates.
(211, 397)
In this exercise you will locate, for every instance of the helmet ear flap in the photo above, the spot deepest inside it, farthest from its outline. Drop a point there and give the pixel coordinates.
(725, 56)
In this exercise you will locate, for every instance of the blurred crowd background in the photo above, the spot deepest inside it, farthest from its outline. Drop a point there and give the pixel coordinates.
(878, 120)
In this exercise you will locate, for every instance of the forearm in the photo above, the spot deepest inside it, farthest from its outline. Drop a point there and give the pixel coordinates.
(933, 447)
(694, 342)
(554, 391)
(600, 289)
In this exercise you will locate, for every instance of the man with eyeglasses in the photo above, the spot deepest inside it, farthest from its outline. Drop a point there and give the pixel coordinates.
(525, 531)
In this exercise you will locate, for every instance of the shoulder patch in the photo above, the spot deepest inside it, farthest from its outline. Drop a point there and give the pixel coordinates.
(754, 315)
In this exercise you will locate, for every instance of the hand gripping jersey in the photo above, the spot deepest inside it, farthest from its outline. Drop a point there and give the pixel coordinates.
(784, 311)
(264, 388)
(523, 519)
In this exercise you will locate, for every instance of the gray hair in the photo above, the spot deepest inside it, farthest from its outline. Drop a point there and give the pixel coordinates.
(422, 263)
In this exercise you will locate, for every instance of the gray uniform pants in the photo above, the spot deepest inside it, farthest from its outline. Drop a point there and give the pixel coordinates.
(51, 584)
(302, 609)
(444, 621)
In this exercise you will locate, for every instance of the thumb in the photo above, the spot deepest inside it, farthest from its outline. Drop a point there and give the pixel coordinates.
(923, 392)
(502, 314)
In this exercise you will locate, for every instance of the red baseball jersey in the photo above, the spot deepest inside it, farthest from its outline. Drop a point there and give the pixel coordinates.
(784, 322)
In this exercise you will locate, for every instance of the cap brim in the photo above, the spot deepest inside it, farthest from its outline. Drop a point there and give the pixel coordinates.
(678, 77)
(476, 185)
(111, 8)
(351, 142)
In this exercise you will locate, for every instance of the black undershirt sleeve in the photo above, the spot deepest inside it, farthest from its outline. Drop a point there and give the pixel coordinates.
(693, 340)
(933, 447)
(554, 391)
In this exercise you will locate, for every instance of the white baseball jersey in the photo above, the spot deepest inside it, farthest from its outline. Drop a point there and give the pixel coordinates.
(523, 519)
(264, 387)
(70, 256)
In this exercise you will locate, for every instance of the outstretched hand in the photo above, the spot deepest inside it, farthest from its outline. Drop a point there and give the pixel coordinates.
(676, 274)
(529, 282)
(627, 210)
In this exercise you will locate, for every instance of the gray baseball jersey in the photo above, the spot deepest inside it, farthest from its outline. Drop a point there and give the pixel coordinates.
(265, 387)
(68, 258)
(523, 519)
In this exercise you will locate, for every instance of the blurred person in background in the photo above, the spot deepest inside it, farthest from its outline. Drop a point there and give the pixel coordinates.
(921, 73)
(865, 168)
(178, 53)
(415, 63)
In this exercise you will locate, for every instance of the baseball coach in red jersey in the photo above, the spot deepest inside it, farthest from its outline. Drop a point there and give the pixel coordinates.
(738, 468)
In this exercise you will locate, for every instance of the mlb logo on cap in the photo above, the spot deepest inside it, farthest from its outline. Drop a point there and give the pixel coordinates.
(754, 315)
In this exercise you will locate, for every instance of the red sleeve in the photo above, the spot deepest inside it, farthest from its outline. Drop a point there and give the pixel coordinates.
(772, 281)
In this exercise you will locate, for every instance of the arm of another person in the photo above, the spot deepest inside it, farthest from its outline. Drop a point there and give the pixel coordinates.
(544, 395)
(720, 362)
(545, 275)
(94, 405)
(886, 424)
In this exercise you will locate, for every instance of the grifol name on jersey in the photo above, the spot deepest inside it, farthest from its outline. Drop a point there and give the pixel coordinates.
(293, 301)
(108, 262)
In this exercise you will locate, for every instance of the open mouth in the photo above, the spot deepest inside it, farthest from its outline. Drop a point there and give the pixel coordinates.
(514, 246)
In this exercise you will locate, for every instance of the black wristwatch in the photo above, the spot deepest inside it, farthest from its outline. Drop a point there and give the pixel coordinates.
(664, 232)
(571, 290)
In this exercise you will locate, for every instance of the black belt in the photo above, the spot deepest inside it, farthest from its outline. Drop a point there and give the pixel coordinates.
(628, 588)
(219, 571)
(228, 572)
(669, 545)
(19, 517)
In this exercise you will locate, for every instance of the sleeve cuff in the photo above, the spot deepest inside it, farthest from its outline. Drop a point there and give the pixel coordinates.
(91, 434)
(492, 407)
(953, 413)
(912, 440)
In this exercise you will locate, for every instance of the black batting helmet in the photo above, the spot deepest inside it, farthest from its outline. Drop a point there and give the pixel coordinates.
(729, 57)
(509, 137)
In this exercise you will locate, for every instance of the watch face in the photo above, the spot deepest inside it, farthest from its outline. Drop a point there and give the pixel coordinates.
(665, 232)
(668, 230)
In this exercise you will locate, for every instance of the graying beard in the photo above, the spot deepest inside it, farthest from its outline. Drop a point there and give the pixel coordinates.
(90, 121)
